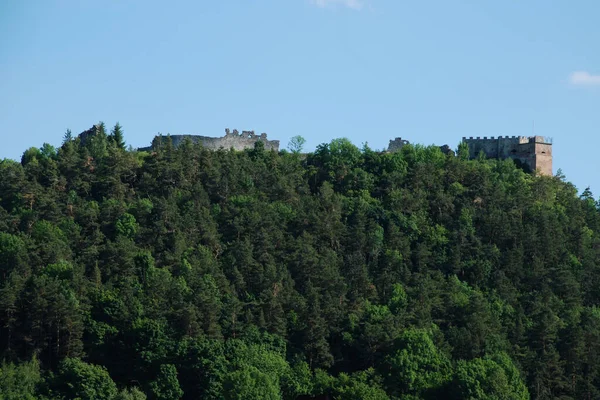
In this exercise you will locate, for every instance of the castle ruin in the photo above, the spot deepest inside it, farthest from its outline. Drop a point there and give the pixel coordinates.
(87, 134)
(231, 140)
(535, 152)
(397, 144)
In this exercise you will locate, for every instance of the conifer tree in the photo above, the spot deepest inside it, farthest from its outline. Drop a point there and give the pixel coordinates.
(68, 136)
(116, 136)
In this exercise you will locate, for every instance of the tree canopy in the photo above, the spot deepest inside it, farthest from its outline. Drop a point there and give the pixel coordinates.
(188, 273)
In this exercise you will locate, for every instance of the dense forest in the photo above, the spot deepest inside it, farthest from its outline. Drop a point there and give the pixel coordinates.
(184, 273)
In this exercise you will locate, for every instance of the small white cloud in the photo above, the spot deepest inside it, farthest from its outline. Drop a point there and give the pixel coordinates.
(584, 78)
(354, 4)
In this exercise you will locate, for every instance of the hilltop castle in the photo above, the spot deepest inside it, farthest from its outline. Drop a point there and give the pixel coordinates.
(397, 143)
(235, 140)
(535, 151)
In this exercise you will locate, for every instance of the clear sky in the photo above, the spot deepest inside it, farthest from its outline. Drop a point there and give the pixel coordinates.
(369, 70)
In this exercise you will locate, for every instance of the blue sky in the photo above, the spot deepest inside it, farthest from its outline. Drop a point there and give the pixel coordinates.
(369, 70)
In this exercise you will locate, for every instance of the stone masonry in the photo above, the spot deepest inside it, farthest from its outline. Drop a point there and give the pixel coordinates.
(86, 135)
(397, 144)
(231, 140)
(535, 151)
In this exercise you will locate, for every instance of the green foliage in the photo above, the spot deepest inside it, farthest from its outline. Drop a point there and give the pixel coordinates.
(250, 383)
(62, 270)
(131, 394)
(97, 144)
(192, 273)
(166, 386)
(463, 151)
(358, 386)
(127, 226)
(489, 378)
(12, 252)
(417, 366)
(68, 136)
(20, 382)
(116, 136)
(399, 299)
(296, 144)
(79, 380)
(33, 154)
(48, 151)
(297, 381)
(49, 242)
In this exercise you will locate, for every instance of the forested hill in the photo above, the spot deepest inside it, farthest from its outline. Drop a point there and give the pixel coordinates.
(197, 274)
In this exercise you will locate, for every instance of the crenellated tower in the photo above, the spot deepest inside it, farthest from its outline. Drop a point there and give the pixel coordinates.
(534, 151)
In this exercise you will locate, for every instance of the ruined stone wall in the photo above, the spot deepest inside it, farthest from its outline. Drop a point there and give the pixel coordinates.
(86, 135)
(397, 144)
(235, 140)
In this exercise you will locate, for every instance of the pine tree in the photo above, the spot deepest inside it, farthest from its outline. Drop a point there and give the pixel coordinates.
(68, 136)
(116, 136)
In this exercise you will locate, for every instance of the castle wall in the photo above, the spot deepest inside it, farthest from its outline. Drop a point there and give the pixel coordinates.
(535, 152)
(397, 144)
(509, 147)
(543, 157)
(235, 140)
(489, 146)
(86, 135)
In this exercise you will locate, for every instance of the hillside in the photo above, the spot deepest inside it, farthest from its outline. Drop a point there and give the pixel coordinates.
(190, 273)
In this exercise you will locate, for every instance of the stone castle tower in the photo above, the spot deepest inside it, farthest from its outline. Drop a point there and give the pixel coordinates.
(535, 151)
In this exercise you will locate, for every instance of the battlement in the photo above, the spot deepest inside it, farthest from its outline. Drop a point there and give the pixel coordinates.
(519, 139)
(535, 152)
(541, 139)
